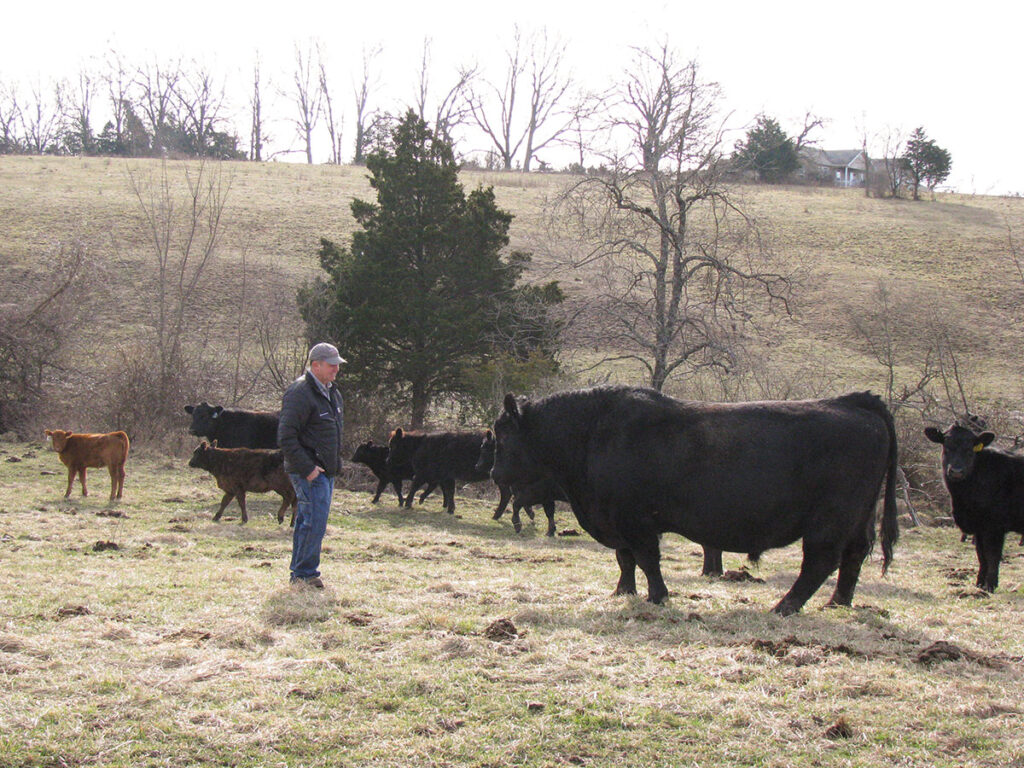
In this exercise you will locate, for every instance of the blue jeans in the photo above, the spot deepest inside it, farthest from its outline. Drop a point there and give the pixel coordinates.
(310, 523)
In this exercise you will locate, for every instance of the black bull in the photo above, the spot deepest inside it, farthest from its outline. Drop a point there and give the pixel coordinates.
(741, 477)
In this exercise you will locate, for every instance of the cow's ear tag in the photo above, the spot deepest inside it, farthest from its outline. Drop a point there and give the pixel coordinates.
(978, 447)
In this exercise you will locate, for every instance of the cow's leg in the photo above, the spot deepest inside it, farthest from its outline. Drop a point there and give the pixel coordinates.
(228, 496)
(549, 510)
(989, 546)
(820, 560)
(505, 495)
(426, 492)
(241, 503)
(712, 562)
(81, 476)
(285, 501)
(627, 572)
(416, 484)
(849, 569)
(116, 480)
(381, 485)
(517, 522)
(120, 480)
(448, 489)
(71, 480)
(397, 485)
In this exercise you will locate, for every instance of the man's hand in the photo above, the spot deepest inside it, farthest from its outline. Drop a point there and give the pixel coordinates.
(312, 475)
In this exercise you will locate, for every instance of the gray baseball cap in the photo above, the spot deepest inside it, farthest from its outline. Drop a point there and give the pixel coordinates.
(327, 353)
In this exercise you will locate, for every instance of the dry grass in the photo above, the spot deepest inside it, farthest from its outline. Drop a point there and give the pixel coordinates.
(185, 645)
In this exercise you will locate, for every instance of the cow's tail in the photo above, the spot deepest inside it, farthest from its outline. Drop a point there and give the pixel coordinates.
(890, 523)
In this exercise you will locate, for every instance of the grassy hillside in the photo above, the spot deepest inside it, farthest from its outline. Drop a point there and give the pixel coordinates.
(945, 263)
(143, 634)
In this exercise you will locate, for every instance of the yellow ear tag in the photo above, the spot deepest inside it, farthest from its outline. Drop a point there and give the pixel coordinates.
(978, 447)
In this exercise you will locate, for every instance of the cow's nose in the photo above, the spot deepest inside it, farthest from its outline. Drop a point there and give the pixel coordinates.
(954, 474)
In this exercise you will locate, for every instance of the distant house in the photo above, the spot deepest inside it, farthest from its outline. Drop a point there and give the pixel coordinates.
(843, 167)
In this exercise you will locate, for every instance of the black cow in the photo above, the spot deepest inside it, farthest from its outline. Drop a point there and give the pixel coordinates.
(546, 493)
(245, 470)
(376, 458)
(437, 458)
(739, 477)
(986, 486)
(543, 492)
(234, 428)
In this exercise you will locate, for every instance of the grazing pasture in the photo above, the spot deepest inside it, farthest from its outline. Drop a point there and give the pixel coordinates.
(138, 632)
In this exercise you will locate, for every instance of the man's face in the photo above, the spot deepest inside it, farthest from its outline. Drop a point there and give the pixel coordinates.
(325, 372)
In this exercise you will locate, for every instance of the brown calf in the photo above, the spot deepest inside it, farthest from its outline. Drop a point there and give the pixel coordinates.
(241, 470)
(79, 452)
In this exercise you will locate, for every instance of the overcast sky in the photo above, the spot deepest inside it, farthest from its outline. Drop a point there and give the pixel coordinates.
(881, 65)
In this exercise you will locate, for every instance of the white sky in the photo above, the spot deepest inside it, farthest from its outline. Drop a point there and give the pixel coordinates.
(884, 65)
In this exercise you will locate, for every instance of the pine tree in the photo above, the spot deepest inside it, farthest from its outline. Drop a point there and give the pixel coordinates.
(768, 151)
(422, 297)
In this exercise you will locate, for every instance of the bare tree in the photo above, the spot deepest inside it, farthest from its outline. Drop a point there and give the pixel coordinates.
(118, 83)
(367, 84)
(182, 218)
(892, 150)
(155, 84)
(76, 106)
(675, 255)
(306, 98)
(201, 101)
(335, 122)
(10, 118)
(41, 120)
(543, 114)
(257, 134)
(452, 109)
(496, 113)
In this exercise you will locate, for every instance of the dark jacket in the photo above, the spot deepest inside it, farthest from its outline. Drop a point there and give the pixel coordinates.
(309, 431)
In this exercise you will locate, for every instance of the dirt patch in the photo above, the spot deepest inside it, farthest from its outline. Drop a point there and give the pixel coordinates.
(501, 630)
(743, 574)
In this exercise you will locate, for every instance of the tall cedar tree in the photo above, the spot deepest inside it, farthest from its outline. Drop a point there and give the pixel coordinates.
(925, 162)
(768, 151)
(422, 297)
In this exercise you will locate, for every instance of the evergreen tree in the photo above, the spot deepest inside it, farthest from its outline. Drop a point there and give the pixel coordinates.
(421, 299)
(768, 151)
(925, 162)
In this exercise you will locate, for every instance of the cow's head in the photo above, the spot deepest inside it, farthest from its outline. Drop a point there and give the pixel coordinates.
(486, 458)
(368, 453)
(204, 418)
(201, 456)
(56, 439)
(513, 462)
(960, 446)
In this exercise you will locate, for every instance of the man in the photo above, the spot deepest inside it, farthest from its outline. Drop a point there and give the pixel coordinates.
(309, 433)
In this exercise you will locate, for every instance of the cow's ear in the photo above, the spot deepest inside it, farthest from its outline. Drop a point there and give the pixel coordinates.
(217, 410)
(398, 433)
(982, 440)
(489, 435)
(934, 435)
(189, 408)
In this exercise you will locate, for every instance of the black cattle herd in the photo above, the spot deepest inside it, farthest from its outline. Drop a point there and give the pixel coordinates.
(633, 464)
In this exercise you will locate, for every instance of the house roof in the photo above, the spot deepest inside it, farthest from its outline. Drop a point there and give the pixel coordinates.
(835, 158)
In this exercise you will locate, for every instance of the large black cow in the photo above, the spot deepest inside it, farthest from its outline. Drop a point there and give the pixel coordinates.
(437, 458)
(546, 493)
(376, 458)
(986, 486)
(739, 477)
(233, 428)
